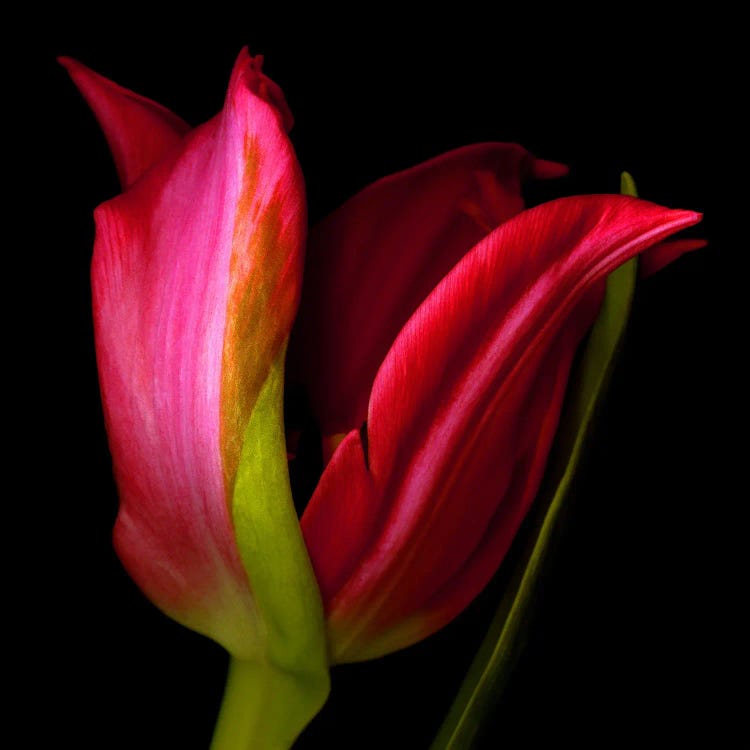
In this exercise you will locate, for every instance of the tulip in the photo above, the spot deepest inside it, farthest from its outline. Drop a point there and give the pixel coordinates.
(196, 278)
(435, 336)
(435, 339)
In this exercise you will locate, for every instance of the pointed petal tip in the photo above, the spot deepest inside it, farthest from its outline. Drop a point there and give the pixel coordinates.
(682, 217)
(82, 75)
(138, 130)
(690, 217)
(70, 63)
(665, 253)
(696, 244)
(75, 69)
(541, 169)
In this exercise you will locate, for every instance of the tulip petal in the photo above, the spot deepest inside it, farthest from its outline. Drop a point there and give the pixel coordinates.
(662, 254)
(138, 130)
(386, 249)
(196, 276)
(460, 419)
(496, 657)
(665, 252)
(498, 654)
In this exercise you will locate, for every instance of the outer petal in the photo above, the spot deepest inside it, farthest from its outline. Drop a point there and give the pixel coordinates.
(139, 131)
(413, 514)
(385, 250)
(665, 252)
(196, 276)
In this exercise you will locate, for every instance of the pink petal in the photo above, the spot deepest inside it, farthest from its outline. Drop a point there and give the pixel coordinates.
(413, 514)
(139, 131)
(374, 260)
(196, 277)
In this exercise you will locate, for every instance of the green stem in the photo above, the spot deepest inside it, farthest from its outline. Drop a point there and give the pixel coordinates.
(264, 707)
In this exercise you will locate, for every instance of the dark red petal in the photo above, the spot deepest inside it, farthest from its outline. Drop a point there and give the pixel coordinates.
(460, 419)
(657, 257)
(139, 131)
(535, 438)
(374, 260)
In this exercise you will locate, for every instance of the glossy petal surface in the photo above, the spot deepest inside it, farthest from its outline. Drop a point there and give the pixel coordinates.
(374, 260)
(414, 514)
(196, 276)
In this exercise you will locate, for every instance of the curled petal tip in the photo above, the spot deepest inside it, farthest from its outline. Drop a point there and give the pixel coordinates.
(248, 71)
(688, 218)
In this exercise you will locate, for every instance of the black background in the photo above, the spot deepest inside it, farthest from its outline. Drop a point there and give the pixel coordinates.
(629, 641)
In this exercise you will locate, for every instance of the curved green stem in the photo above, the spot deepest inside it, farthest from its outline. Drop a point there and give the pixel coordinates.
(264, 707)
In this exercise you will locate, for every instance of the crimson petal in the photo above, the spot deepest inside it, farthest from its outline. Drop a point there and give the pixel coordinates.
(665, 252)
(375, 259)
(138, 130)
(414, 512)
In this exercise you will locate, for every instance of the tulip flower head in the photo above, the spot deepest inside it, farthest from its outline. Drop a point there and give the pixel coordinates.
(440, 376)
(435, 335)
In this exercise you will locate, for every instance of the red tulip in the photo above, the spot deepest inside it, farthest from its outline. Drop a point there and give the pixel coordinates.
(436, 352)
(437, 328)
(196, 276)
